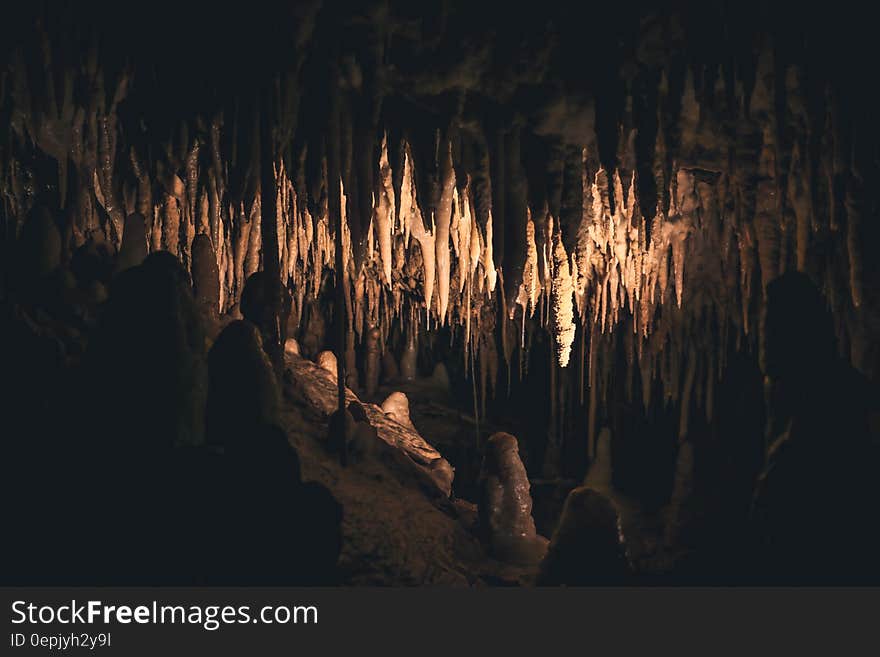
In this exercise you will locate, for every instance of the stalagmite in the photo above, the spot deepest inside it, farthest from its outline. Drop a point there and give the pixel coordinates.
(291, 347)
(396, 406)
(134, 243)
(682, 489)
(408, 359)
(242, 390)
(371, 358)
(326, 360)
(171, 225)
(587, 547)
(506, 504)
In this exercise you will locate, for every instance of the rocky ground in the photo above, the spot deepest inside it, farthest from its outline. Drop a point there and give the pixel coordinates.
(398, 529)
(401, 528)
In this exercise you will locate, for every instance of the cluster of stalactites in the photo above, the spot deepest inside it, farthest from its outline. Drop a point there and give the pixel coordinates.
(735, 208)
(431, 267)
(739, 211)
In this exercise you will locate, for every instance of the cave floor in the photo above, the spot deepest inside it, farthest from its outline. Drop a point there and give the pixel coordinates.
(397, 533)
(394, 532)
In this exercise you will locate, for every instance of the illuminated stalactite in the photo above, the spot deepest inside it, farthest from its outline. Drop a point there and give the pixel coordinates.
(563, 310)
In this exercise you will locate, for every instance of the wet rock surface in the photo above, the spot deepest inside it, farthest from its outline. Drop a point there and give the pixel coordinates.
(315, 387)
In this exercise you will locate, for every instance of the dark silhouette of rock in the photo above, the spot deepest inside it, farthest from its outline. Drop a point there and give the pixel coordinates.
(365, 443)
(320, 519)
(148, 356)
(242, 389)
(587, 547)
(261, 531)
(814, 513)
(274, 529)
(357, 411)
(255, 307)
(39, 246)
(93, 261)
(146, 370)
(340, 430)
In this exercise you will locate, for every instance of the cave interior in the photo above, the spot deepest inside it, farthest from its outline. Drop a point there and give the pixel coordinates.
(389, 293)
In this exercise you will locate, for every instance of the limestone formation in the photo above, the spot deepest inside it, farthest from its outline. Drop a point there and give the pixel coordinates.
(582, 220)
(255, 306)
(326, 360)
(133, 249)
(587, 547)
(291, 347)
(396, 406)
(408, 360)
(371, 357)
(638, 223)
(206, 278)
(315, 389)
(506, 504)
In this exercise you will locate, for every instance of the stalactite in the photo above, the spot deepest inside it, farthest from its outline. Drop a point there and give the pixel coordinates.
(488, 256)
(426, 238)
(563, 310)
(171, 225)
(443, 220)
(529, 289)
(254, 243)
(384, 215)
